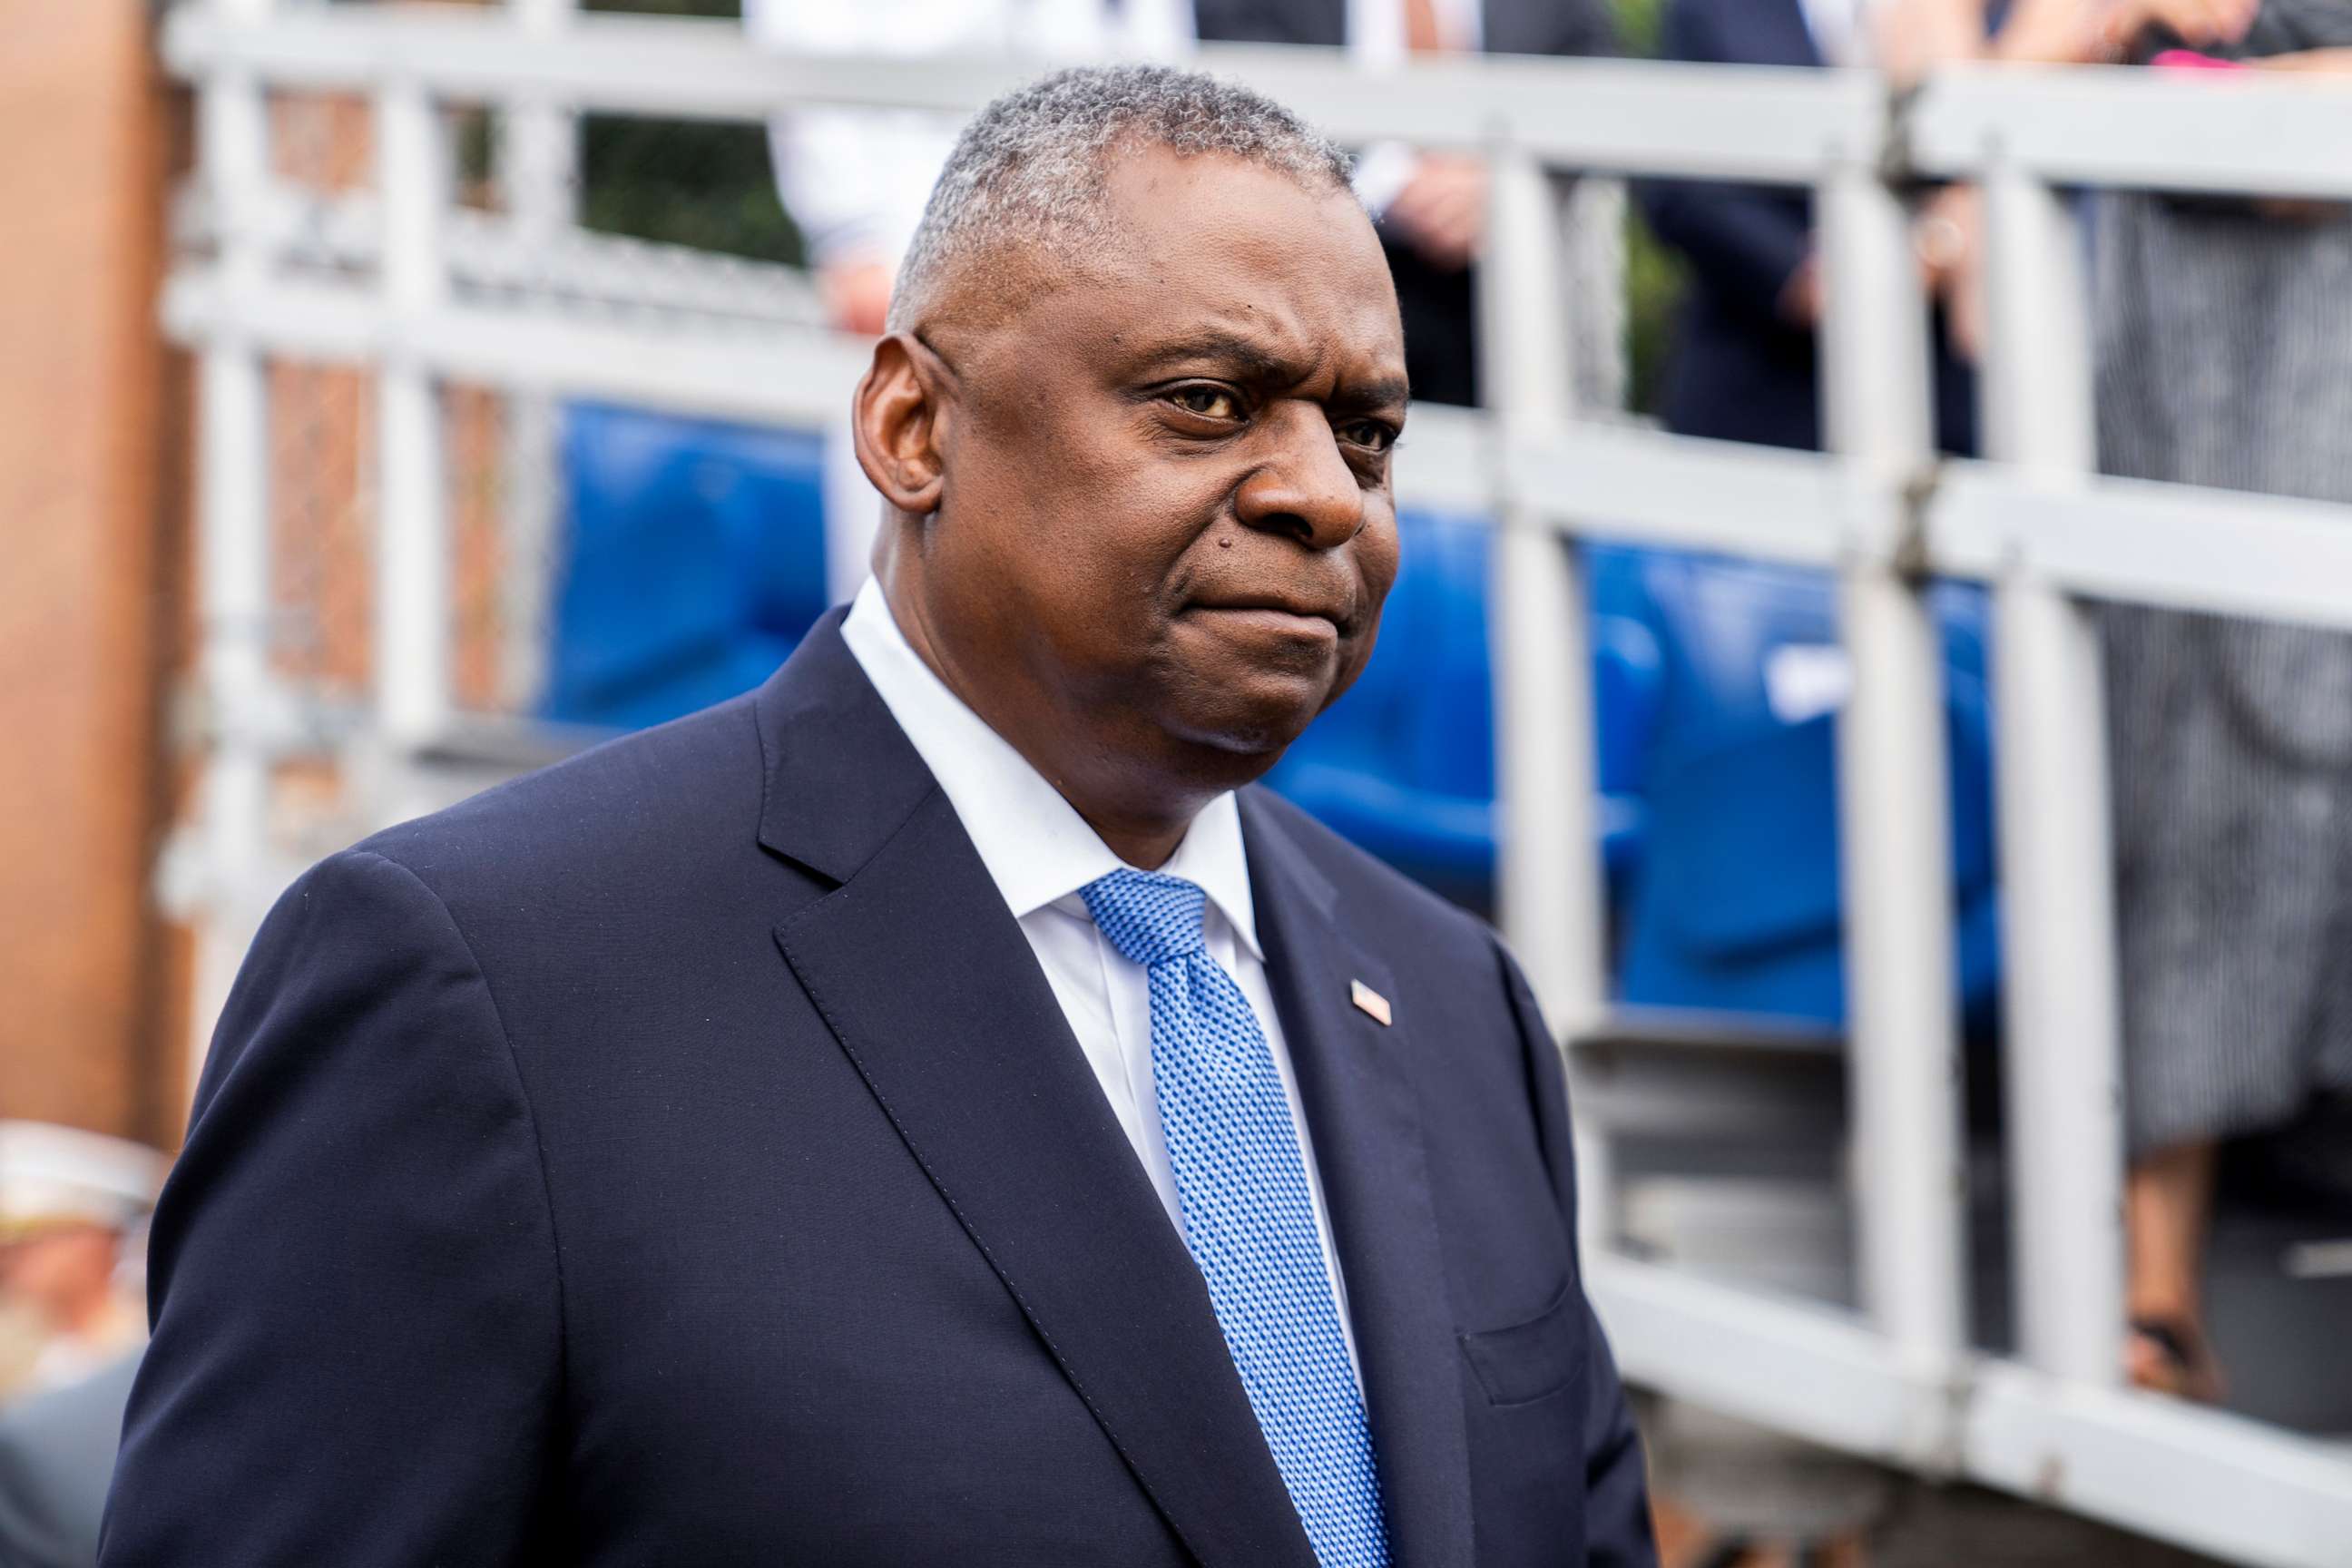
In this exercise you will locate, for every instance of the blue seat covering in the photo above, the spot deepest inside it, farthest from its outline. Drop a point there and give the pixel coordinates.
(1737, 905)
(694, 563)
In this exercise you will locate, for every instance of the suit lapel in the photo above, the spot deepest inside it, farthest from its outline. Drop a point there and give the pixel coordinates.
(933, 993)
(1356, 1082)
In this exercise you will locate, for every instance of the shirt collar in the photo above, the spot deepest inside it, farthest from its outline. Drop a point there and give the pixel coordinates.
(1036, 847)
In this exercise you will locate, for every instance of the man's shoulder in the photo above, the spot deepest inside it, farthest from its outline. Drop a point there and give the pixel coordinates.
(1374, 893)
(655, 799)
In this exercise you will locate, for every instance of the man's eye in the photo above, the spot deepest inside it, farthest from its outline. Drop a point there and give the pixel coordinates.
(1208, 401)
(1369, 434)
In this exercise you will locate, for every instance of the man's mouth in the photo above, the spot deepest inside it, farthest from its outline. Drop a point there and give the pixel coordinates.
(1275, 612)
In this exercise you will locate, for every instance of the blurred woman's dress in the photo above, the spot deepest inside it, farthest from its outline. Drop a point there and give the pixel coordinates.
(2225, 359)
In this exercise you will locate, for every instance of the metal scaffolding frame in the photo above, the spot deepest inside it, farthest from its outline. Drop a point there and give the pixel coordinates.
(1897, 1381)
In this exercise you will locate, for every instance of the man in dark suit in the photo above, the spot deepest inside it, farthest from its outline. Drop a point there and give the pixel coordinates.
(931, 1109)
(1745, 360)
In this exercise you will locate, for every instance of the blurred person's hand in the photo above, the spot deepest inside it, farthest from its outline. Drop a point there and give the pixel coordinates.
(2307, 62)
(856, 294)
(1911, 37)
(2199, 23)
(2093, 32)
(1441, 210)
(1800, 296)
(1948, 235)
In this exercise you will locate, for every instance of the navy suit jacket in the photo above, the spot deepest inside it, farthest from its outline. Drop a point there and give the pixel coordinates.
(1740, 371)
(677, 1156)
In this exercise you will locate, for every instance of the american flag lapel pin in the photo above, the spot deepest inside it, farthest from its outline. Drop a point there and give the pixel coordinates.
(1369, 1000)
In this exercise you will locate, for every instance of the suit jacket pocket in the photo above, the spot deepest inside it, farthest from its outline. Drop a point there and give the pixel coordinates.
(1532, 1360)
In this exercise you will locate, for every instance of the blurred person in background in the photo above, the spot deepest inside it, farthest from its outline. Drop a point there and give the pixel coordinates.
(2223, 344)
(2224, 358)
(1745, 362)
(71, 1301)
(1746, 359)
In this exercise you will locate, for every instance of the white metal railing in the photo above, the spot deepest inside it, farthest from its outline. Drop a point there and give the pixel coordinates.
(1896, 1382)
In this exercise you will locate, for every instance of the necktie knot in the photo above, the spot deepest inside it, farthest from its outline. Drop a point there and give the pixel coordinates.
(1149, 918)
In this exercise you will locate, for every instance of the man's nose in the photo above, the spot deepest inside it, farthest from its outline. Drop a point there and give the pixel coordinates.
(1305, 487)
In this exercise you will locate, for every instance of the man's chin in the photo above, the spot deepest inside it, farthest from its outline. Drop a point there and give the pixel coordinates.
(1243, 739)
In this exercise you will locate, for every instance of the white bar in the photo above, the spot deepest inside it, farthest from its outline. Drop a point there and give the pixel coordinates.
(1681, 492)
(2139, 128)
(413, 630)
(1550, 897)
(539, 170)
(780, 374)
(2179, 546)
(2062, 1049)
(2156, 543)
(1631, 116)
(1623, 116)
(2240, 1490)
(1599, 323)
(539, 153)
(1810, 1370)
(232, 547)
(2182, 1473)
(1895, 844)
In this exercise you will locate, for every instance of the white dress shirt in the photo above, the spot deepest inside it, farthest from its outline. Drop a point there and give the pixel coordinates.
(1040, 852)
(1840, 30)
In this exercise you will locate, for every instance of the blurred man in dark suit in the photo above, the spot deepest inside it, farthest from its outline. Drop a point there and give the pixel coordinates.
(1746, 355)
(1432, 206)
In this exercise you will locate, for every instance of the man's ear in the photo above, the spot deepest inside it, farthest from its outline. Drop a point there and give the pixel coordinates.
(896, 418)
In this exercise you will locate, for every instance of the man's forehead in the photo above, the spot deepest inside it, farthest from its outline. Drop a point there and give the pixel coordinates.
(1200, 200)
(1205, 255)
(1220, 258)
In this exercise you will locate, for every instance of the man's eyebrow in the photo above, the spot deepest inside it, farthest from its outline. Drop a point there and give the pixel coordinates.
(1253, 359)
(1245, 355)
(1381, 392)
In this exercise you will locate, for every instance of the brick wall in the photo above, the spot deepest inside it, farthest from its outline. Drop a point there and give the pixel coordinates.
(91, 608)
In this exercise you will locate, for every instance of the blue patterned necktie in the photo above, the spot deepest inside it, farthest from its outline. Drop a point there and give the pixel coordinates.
(1248, 1218)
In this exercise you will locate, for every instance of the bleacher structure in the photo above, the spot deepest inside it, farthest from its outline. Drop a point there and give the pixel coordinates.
(436, 303)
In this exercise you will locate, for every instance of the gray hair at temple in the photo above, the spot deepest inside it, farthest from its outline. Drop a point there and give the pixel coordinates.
(1032, 168)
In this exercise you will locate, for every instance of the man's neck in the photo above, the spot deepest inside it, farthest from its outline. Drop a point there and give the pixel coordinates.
(1145, 837)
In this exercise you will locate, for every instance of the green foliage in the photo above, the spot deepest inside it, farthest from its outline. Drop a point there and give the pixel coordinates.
(1654, 276)
(708, 186)
(1637, 24)
(1654, 279)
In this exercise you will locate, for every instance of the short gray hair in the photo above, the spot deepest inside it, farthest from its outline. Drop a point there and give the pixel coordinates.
(1032, 166)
